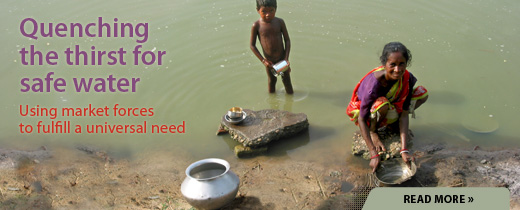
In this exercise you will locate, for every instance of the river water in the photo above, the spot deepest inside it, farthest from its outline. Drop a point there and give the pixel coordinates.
(464, 53)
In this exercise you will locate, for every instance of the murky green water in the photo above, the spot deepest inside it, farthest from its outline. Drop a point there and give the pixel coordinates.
(464, 52)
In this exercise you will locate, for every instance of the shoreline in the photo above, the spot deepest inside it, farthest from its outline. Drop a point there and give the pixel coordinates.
(88, 178)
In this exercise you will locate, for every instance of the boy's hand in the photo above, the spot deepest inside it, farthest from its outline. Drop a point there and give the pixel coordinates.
(267, 63)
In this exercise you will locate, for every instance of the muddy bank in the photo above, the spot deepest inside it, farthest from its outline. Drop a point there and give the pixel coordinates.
(88, 178)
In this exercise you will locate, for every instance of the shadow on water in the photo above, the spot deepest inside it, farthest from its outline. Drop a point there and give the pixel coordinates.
(314, 133)
(278, 147)
(446, 98)
(320, 132)
(281, 146)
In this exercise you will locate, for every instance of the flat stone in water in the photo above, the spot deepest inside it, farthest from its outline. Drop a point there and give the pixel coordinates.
(261, 127)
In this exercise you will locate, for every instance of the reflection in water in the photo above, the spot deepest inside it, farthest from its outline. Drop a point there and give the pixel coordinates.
(276, 101)
(300, 94)
(282, 101)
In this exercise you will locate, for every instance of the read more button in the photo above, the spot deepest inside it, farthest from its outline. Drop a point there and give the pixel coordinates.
(426, 198)
(437, 199)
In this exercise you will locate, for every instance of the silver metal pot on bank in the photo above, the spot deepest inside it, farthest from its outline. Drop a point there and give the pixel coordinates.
(209, 184)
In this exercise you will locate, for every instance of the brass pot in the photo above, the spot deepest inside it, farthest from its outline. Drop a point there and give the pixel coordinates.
(235, 113)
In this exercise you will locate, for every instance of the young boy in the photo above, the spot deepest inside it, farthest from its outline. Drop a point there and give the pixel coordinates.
(270, 30)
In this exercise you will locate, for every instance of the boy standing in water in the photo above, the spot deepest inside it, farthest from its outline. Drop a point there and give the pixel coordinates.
(270, 30)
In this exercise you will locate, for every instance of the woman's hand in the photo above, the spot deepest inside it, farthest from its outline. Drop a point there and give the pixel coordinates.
(373, 143)
(374, 163)
(380, 147)
(407, 158)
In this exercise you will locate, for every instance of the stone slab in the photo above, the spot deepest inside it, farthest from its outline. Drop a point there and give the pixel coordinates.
(264, 126)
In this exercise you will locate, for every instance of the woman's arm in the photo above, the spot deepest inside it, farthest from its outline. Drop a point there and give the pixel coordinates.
(368, 93)
(373, 148)
(404, 121)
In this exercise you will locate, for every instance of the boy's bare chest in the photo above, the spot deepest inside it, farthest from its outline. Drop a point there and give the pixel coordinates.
(269, 29)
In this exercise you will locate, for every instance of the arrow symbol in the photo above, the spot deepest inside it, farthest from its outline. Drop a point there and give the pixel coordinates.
(470, 199)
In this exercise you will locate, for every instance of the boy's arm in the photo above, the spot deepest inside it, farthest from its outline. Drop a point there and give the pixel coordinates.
(252, 43)
(286, 40)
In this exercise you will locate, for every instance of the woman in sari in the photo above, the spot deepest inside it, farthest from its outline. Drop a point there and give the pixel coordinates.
(384, 96)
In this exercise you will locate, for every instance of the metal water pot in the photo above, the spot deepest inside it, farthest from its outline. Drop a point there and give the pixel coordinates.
(209, 184)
